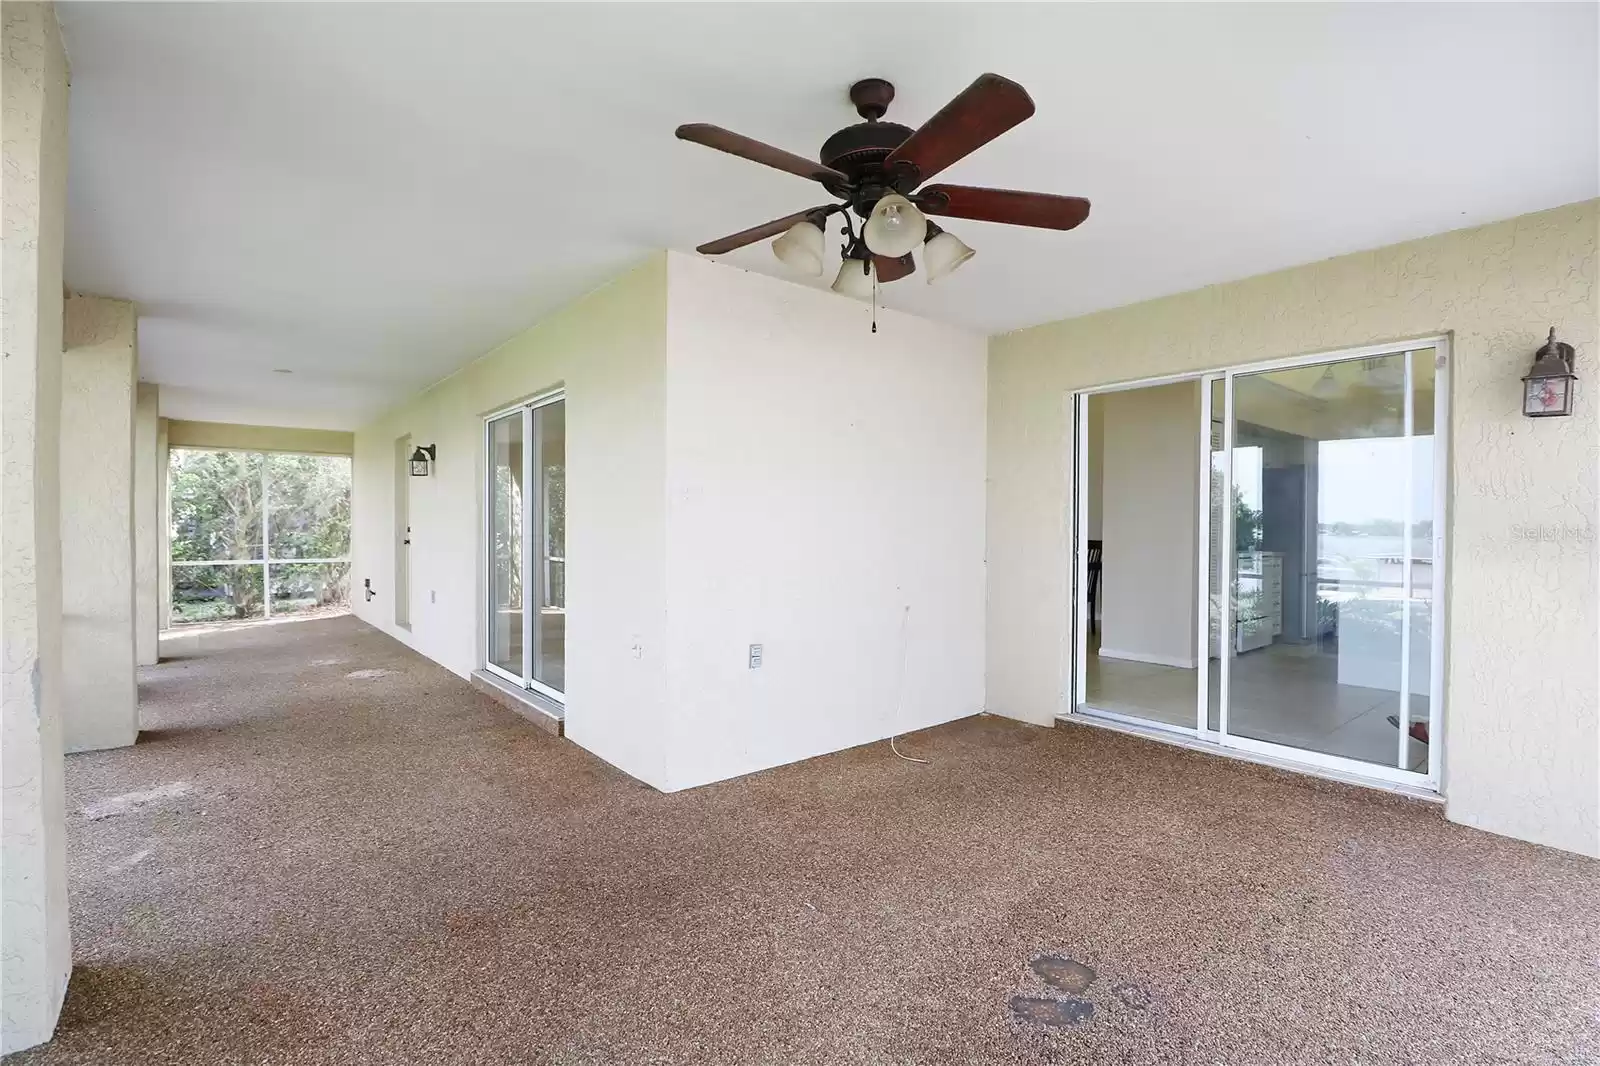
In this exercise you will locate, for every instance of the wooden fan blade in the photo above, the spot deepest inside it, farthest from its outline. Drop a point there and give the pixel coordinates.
(983, 111)
(1040, 209)
(756, 233)
(738, 144)
(894, 269)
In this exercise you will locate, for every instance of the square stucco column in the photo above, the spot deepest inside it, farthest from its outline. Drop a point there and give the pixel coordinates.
(149, 470)
(36, 956)
(163, 528)
(99, 376)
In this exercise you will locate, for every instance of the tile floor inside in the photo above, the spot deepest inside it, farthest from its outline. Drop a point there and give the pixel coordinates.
(1283, 693)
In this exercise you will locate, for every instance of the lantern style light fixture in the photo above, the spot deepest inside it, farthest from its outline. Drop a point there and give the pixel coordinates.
(1548, 388)
(855, 278)
(942, 252)
(800, 246)
(895, 227)
(423, 458)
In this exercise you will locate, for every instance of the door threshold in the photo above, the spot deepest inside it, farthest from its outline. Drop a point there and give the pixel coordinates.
(1196, 743)
(545, 713)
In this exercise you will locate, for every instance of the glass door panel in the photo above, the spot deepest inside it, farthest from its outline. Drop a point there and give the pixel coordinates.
(507, 546)
(1217, 532)
(550, 548)
(1328, 513)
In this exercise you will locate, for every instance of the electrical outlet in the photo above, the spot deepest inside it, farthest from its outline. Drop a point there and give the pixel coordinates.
(755, 656)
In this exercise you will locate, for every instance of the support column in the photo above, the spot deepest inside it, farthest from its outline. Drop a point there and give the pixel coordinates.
(37, 956)
(99, 378)
(148, 473)
(164, 527)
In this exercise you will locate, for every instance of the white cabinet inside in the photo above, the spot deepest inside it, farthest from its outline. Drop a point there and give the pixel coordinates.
(1258, 613)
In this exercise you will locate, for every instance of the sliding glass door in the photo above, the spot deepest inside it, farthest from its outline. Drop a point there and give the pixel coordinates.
(1320, 562)
(525, 522)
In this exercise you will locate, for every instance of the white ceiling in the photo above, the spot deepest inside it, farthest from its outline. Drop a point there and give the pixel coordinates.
(371, 195)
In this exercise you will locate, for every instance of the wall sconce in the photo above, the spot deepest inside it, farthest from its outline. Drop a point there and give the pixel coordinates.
(422, 457)
(1548, 388)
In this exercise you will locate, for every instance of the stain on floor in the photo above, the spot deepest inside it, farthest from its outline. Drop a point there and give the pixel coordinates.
(397, 870)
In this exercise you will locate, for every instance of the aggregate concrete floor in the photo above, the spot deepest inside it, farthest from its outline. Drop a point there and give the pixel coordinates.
(304, 861)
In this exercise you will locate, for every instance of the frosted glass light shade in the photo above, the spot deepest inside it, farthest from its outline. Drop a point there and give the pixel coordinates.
(943, 254)
(853, 281)
(800, 247)
(895, 227)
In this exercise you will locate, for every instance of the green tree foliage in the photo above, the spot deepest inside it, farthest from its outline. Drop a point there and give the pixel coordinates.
(217, 501)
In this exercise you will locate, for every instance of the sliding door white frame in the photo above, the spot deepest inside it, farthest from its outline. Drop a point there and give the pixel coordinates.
(1221, 737)
(533, 573)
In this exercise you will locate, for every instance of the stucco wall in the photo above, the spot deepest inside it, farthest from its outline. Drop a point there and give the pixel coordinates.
(37, 956)
(163, 528)
(608, 350)
(231, 436)
(1521, 737)
(820, 479)
(149, 469)
(99, 377)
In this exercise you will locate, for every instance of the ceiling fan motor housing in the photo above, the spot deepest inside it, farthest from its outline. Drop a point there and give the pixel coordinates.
(858, 153)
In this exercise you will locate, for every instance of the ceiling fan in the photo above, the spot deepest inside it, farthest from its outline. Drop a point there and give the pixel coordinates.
(877, 168)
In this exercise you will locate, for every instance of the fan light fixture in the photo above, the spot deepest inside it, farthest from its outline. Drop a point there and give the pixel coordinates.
(855, 282)
(895, 227)
(943, 253)
(1326, 387)
(801, 248)
(879, 171)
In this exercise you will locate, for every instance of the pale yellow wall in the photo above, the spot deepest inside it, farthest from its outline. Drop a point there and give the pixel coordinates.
(608, 350)
(1150, 519)
(228, 436)
(149, 469)
(163, 528)
(1521, 737)
(99, 382)
(37, 956)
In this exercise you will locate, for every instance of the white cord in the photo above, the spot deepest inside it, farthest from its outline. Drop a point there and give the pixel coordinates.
(900, 687)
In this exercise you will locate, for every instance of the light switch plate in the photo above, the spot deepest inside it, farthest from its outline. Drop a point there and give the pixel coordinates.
(755, 656)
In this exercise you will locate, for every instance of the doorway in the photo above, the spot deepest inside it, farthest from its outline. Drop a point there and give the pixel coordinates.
(525, 553)
(402, 532)
(1287, 601)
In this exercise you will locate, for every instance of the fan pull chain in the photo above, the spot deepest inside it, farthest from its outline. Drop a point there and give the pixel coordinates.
(874, 301)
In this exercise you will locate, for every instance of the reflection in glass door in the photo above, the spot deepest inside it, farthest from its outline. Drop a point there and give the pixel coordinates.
(550, 562)
(1320, 554)
(1323, 642)
(526, 550)
(506, 544)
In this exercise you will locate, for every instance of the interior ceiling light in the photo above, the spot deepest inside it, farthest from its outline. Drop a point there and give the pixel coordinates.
(1326, 387)
(800, 247)
(895, 227)
(877, 169)
(943, 253)
(853, 281)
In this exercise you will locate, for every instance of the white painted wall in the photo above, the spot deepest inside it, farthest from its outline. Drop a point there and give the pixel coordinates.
(820, 479)
(608, 350)
(746, 463)
(1150, 440)
(149, 470)
(99, 376)
(36, 959)
(1522, 713)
